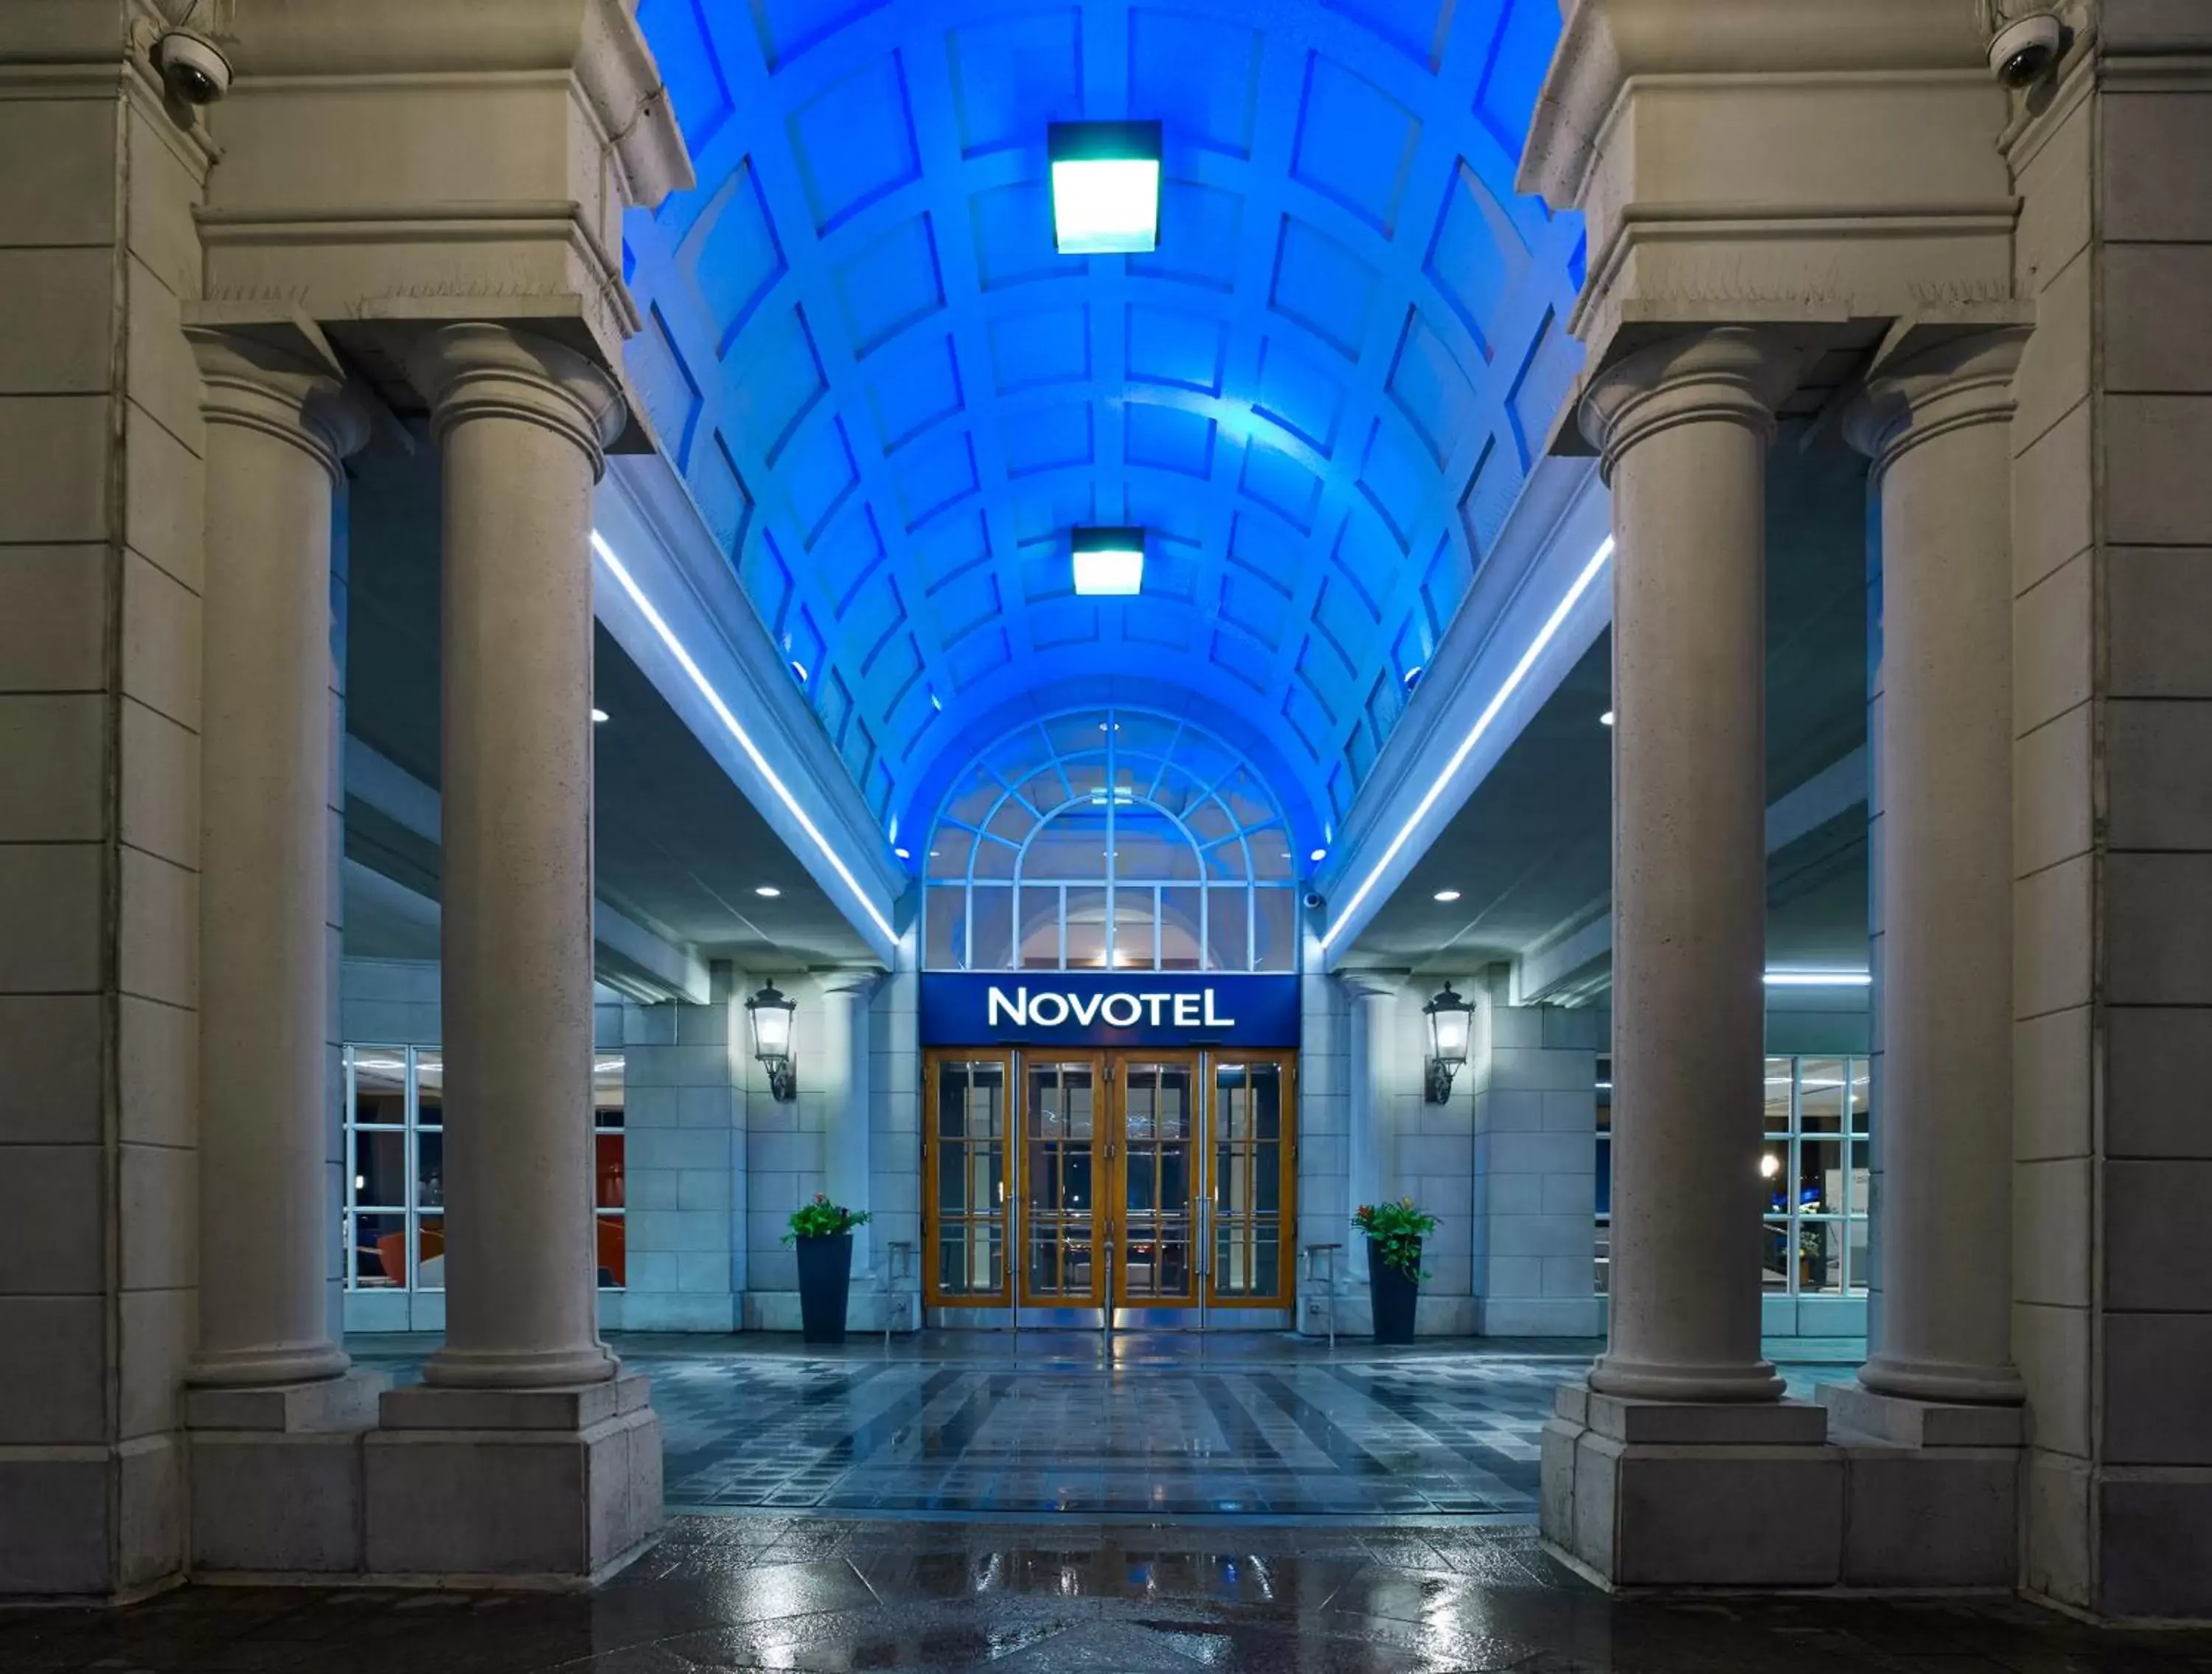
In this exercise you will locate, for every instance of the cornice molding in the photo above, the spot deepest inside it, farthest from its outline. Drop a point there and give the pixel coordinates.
(597, 42)
(1608, 44)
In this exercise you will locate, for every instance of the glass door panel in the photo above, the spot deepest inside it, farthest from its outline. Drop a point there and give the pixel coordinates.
(1061, 1173)
(1159, 1195)
(968, 1131)
(1250, 1162)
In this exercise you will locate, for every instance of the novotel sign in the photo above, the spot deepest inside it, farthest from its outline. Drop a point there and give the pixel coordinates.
(1117, 1008)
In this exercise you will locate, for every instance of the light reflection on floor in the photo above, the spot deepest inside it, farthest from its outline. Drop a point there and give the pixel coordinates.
(1062, 1426)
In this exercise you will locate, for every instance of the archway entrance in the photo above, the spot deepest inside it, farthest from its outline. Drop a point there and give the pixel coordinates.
(1134, 1189)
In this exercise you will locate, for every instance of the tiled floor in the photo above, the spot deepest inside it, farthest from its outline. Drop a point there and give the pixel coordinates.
(1055, 1426)
(760, 1592)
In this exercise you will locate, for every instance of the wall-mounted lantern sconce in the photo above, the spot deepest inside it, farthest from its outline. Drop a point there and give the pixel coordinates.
(773, 1015)
(1451, 1021)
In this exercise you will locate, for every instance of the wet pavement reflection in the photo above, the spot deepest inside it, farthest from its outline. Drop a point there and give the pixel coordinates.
(756, 1592)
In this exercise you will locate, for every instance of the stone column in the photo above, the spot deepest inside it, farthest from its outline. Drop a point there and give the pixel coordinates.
(1371, 1155)
(1684, 427)
(523, 424)
(279, 419)
(1938, 427)
(847, 1157)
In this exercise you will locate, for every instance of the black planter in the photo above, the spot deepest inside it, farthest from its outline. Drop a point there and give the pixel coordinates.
(825, 1273)
(1393, 1290)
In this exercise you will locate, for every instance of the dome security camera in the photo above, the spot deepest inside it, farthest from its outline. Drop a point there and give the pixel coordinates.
(2022, 52)
(193, 67)
(1313, 901)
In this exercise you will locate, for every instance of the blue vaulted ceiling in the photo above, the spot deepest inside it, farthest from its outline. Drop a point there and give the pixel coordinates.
(891, 400)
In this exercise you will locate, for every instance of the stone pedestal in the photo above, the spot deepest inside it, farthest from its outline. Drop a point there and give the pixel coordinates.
(276, 1476)
(1933, 1490)
(549, 1486)
(1667, 1495)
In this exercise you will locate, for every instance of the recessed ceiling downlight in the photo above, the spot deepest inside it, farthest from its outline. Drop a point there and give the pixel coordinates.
(766, 891)
(1105, 187)
(1447, 895)
(1109, 563)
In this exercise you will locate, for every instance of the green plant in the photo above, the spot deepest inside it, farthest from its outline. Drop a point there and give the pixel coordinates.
(823, 1218)
(1397, 1230)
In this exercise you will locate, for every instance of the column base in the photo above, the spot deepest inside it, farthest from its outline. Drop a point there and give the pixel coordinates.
(1676, 1494)
(1933, 1490)
(538, 1486)
(276, 1476)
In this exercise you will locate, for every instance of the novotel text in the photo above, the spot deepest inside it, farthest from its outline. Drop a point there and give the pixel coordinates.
(1050, 1010)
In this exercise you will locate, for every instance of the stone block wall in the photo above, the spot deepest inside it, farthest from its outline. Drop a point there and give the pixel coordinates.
(1533, 1072)
(2113, 702)
(100, 531)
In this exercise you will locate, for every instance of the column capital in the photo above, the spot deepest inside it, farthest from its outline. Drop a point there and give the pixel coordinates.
(477, 369)
(1736, 373)
(281, 378)
(1928, 392)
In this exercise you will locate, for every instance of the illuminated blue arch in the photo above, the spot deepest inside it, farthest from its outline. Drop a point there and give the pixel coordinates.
(890, 399)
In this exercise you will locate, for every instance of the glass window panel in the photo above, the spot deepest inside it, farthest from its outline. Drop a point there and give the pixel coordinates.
(379, 1084)
(1040, 926)
(1861, 1184)
(1266, 1101)
(1821, 1088)
(995, 859)
(1858, 1268)
(613, 1259)
(1272, 860)
(1179, 930)
(1774, 1174)
(1247, 800)
(1069, 734)
(975, 801)
(1779, 1083)
(948, 852)
(1820, 1177)
(431, 1252)
(991, 927)
(607, 1089)
(430, 1169)
(431, 1087)
(1226, 947)
(1087, 930)
(945, 911)
(1045, 791)
(1173, 790)
(607, 1152)
(1134, 906)
(1150, 847)
(1012, 822)
(1210, 822)
(379, 1168)
(1224, 862)
(378, 1252)
(1274, 919)
(1072, 845)
(1861, 1080)
(1774, 1262)
(1820, 1257)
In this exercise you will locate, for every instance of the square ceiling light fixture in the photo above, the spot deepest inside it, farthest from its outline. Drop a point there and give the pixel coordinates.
(1105, 187)
(1109, 563)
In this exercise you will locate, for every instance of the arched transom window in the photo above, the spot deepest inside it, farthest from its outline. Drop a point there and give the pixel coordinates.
(1110, 839)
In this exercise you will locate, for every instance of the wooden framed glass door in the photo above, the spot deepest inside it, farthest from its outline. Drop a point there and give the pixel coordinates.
(1252, 1179)
(968, 1123)
(1088, 1189)
(1157, 1155)
(1063, 1171)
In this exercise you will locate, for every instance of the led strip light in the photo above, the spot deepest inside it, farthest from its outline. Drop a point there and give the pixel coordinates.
(744, 742)
(1545, 636)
